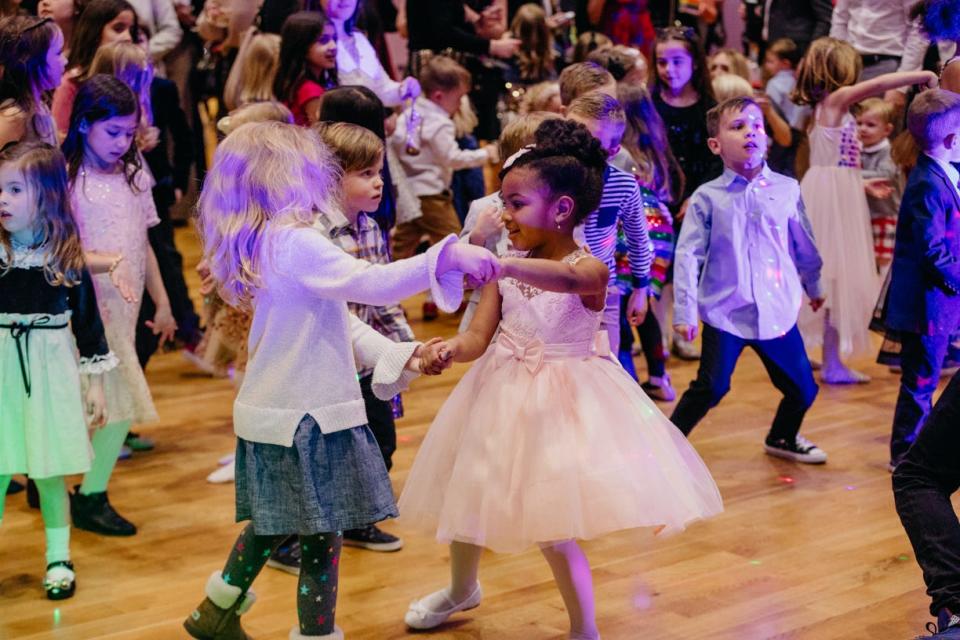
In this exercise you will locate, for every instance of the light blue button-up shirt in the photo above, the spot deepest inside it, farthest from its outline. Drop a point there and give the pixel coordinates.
(745, 256)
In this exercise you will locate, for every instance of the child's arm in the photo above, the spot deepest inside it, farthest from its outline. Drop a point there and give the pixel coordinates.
(469, 345)
(587, 276)
(634, 219)
(95, 355)
(840, 101)
(692, 248)
(780, 128)
(163, 323)
(441, 138)
(805, 255)
(324, 270)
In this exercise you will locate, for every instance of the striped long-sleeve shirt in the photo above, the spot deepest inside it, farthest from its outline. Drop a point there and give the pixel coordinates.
(621, 202)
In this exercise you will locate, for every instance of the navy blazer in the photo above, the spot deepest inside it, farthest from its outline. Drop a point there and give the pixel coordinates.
(925, 281)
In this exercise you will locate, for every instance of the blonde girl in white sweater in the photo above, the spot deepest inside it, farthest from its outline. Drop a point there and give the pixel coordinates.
(306, 462)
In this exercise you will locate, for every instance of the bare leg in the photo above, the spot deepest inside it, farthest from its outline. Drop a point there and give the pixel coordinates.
(571, 571)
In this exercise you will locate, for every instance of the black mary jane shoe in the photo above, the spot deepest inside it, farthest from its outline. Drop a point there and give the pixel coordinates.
(94, 513)
(33, 495)
(62, 588)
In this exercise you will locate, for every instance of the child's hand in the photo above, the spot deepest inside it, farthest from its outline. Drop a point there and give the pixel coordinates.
(932, 80)
(687, 331)
(163, 324)
(489, 223)
(816, 303)
(120, 279)
(637, 307)
(207, 282)
(880, 188)
(493, 153)
(475, 262)
(437, 356)
(95, 403)
(148, 138)
(682, 211)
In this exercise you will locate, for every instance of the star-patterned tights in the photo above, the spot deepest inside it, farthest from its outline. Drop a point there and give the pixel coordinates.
(319, 573)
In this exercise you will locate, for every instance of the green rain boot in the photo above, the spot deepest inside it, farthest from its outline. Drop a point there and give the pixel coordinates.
(218, 616)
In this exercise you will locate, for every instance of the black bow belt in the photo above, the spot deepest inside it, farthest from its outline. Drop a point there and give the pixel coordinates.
(20, 331)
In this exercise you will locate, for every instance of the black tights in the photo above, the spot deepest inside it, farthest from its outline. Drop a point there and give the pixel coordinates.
(319, 573)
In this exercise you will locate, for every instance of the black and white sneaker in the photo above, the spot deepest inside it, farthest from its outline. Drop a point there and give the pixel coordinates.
(373, 538)
(800, 450)
(287, 556)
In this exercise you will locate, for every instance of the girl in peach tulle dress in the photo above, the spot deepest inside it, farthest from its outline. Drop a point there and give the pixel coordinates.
(546, 440)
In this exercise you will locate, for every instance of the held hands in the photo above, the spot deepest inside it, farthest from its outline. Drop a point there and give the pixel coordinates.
(436, 356)
(637, 307)
(121, 280)
(816, 303)
(479, 265)
(95, 404)
(493, 153)
(687, 331)
(163, 324)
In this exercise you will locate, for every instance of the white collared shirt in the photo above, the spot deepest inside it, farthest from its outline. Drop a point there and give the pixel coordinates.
(881, 27)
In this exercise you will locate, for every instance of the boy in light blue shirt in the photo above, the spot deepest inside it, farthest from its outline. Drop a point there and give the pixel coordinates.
(745, 257)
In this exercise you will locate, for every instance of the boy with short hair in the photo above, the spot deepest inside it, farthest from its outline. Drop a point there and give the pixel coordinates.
(621, 203)
(584, 77)
(745, 256)
(443, 83)
(923, 304)
(875, 122)
(780, 64)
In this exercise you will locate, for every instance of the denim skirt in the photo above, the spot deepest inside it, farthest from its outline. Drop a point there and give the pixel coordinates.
(323, 483)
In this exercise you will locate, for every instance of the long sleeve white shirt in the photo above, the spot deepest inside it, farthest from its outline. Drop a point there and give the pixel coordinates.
(430, 172)
(305, 346)
(159, 18)
(881, 27)
(357, 63)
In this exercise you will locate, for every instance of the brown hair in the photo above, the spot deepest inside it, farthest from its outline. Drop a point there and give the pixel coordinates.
(886, 110)
(828, 65)
(739, 66)
(737, 104)
(355, 147)
(45, 172)
(645, 139)
(536, 55)
(932, 116)
(581, 78)
(520, 132)
(786, 49)
(442, 73)
(587, 43)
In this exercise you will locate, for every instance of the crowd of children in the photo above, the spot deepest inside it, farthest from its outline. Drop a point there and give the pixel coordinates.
(625, 209)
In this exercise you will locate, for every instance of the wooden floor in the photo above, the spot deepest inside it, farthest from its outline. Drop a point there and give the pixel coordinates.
(801, 552)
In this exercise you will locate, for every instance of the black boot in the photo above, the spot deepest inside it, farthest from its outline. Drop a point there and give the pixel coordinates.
(94, 513)
(14, 487)
(33, 496)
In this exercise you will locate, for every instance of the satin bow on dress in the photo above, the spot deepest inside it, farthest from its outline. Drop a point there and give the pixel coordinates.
(533, 353)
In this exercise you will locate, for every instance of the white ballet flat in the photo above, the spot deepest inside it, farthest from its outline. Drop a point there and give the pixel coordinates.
(419, 616)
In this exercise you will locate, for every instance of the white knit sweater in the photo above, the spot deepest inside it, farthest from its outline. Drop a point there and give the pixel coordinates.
(304, 345)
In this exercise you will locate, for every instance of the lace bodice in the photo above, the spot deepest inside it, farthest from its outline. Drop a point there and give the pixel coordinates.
(835, 146)
(555, 318)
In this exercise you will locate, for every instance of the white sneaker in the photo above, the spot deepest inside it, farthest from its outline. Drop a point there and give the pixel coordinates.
(421, 616)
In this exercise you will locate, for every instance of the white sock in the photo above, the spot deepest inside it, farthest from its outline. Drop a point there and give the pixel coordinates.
(58, 544)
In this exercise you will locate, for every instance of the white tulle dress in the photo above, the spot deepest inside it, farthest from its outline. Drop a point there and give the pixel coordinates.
(547, 438)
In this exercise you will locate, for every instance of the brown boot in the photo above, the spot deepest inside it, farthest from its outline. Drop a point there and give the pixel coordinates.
(218, 616)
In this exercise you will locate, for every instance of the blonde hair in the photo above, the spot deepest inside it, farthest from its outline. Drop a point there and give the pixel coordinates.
(739, 65)
(828, 65)
(269, 111)
(520, 132)
(45, 172)
(356, 147)
(932, 116)
(887, 111)
(728, 85)
(254, 71)
(442, 73)
(536, 55)
(539, 96)
(581, 78)
(263, 174)
(130, 64)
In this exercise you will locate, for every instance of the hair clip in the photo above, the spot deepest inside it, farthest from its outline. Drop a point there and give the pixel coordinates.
(677, 30)
(509, 161)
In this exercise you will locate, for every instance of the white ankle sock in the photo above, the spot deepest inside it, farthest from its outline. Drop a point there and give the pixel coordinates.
(58, 544)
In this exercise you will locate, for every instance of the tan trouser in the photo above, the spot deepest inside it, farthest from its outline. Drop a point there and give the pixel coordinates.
(439, 220)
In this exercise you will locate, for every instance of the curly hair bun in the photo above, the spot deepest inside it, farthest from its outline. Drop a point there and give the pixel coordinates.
(568, 138)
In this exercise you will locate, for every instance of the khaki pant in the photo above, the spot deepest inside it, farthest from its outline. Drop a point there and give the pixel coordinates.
(439, 220)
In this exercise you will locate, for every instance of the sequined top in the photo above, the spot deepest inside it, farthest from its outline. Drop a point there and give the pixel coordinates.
(835, 146)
